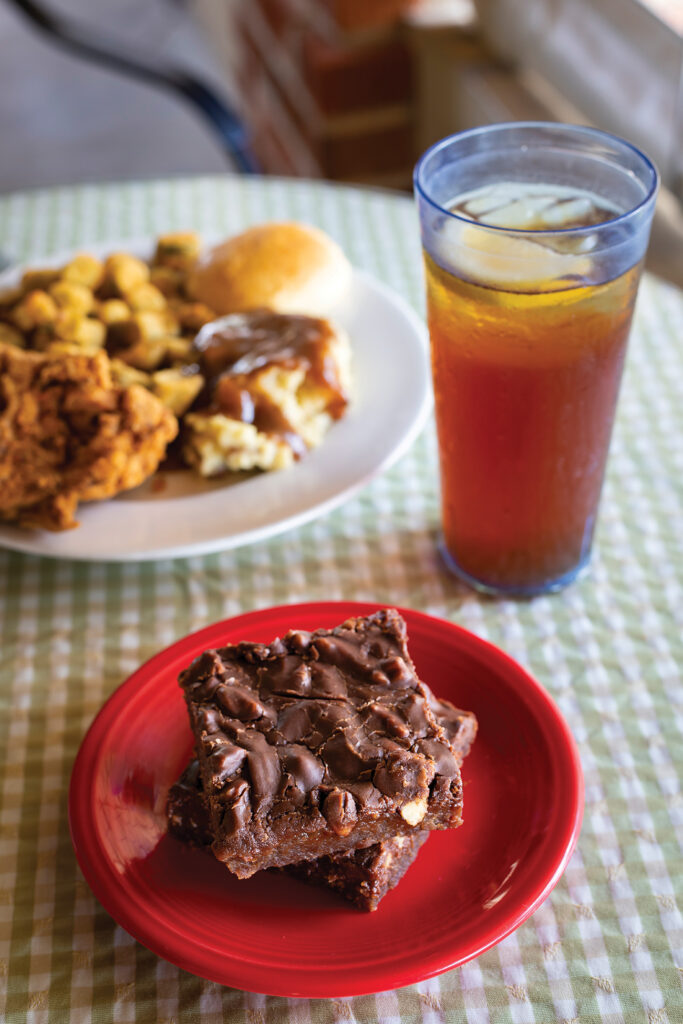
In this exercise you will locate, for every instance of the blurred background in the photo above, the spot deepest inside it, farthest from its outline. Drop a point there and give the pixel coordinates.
(348, 90)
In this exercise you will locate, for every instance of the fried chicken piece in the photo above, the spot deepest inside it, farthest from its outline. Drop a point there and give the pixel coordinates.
(68, 434)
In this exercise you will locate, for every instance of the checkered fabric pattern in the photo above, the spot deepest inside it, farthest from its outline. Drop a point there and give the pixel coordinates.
(608, 944)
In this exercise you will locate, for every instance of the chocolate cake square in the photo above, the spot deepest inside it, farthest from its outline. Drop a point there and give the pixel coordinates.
(318, 743)
(362, 876)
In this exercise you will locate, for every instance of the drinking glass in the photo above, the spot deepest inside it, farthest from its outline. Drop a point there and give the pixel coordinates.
(533, 236)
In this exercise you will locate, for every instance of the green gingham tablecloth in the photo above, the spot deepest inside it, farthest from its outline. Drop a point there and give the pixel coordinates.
(608, 944)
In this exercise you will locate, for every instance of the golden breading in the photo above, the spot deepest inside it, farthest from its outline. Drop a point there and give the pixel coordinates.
(177, 389)
(152, 324)
(71, 295)
(124, 272)
(147, 354)
(112, 311)
(122, 303)
(124, 375)
(178, 250)
(36, 309)
(179, 351)
(11, 336)
(37, 278)
(9, 297)
(81, 330)
(141, 329)
(83, 269)
(169, 281)
(193, 315)
(68, 434)
(146, 296)
(43, 338)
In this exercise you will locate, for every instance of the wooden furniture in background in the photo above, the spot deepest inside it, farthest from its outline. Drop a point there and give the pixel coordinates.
(328, 88)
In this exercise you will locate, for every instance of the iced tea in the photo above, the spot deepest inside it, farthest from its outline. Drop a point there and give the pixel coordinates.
(530, 293)
(526, 388)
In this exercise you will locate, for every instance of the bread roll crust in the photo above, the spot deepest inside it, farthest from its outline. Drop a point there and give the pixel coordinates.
(288, 267)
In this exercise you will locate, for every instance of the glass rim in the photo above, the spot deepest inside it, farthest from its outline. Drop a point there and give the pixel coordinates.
(502, 126)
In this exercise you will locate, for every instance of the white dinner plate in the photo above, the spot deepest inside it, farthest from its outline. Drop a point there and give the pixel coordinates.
(176, 514)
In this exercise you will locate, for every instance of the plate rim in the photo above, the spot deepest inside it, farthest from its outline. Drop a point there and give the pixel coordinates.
(29, 542)
(86, 841)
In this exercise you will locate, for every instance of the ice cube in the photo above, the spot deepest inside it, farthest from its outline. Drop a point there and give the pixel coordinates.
(524, 214)
(573, 243)
(488, 199)
(532, 206)
(581, 209)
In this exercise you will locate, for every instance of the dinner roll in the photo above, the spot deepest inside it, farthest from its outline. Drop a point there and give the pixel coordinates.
(287, 267)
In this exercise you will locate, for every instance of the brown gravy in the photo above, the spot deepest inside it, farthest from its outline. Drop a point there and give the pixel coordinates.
(232, 349)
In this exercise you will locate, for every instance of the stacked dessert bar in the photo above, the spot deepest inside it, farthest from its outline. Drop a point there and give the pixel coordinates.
(322, 754)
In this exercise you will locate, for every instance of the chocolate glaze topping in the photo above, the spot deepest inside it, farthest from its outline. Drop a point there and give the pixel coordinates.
(334, 722)
(188, 811)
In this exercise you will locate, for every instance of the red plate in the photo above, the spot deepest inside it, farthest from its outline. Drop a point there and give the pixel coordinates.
(467, 890)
